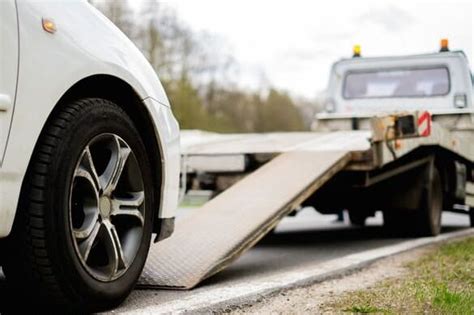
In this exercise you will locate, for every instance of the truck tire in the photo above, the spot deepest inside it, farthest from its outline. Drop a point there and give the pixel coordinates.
(84, 221)
(426, 220)
(357, 218)
(428, 217)
(393, 221)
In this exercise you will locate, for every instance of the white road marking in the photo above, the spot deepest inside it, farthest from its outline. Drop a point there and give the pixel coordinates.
(251, 290)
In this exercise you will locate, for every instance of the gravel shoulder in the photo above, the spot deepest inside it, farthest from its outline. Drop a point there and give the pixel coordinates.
(316, 298)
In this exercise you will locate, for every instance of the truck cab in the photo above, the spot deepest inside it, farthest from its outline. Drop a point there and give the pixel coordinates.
(360, 88)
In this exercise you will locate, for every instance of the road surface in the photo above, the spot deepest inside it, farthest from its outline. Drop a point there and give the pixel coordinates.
(306, 239)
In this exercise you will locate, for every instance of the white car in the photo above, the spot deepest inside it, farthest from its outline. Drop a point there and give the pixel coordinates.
(89, 156)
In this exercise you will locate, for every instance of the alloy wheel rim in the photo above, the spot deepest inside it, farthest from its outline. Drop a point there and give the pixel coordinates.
(107, 207)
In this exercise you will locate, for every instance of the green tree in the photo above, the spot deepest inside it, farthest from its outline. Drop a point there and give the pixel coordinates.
(279, 113)
(188, 107)
(119, 12)
(195, 73)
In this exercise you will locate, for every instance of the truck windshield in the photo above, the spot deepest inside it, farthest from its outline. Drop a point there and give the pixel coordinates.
(397, 83)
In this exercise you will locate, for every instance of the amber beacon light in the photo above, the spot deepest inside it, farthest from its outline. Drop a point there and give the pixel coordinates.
(356, 51)
(444, 45)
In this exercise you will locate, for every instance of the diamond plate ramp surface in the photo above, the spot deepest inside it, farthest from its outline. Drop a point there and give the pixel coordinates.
(216, 234)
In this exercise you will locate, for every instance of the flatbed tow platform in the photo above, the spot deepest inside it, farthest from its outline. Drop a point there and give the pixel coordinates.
(295, 166)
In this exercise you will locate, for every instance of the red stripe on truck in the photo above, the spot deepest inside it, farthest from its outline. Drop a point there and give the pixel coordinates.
(424, 124)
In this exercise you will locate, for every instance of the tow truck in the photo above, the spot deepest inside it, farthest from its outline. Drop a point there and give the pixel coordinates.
(396, 135)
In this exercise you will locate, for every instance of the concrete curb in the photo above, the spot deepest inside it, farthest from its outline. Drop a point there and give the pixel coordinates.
(224, 298)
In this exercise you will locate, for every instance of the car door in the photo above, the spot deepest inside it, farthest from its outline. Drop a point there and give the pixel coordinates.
(8, 68)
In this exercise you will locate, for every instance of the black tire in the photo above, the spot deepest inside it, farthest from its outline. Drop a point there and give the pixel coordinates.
(428, 217)
(425, 221)
(44, 263)
(395, 221)
(357, 217)
(401, 223)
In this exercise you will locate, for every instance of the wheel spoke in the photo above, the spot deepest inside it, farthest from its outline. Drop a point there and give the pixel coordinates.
(88, 241)
(114, 249)
(87, 169)
(129, 206)
(111, 176)
(86, 230)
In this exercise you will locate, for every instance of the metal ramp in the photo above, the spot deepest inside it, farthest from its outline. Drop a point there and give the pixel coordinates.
(220, 231)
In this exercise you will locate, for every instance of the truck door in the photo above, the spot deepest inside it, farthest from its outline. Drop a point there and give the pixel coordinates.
(8, 68)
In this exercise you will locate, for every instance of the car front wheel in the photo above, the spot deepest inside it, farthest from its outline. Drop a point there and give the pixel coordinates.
(84, 221)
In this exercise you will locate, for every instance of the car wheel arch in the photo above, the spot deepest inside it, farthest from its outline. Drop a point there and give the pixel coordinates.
(124, 95)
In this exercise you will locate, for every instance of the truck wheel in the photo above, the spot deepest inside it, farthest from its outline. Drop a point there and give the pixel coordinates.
(357, 218)
(84, 221)
(393, 221)
(428, 217)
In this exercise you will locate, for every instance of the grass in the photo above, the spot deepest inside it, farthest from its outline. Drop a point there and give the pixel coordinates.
(364, 309)
(441, 282)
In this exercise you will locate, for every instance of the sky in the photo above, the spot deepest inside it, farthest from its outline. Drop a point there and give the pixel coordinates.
(291, 44)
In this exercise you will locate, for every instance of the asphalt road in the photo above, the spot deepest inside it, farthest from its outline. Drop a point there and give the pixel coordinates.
(306, 239)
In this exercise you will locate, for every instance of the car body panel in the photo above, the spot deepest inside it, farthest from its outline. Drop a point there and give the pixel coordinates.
(85, 44)
(9, 68)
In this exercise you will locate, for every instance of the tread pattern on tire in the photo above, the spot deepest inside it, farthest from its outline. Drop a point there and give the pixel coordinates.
(29, 234)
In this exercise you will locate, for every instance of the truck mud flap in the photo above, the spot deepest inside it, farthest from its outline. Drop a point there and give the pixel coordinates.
(216, 234)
